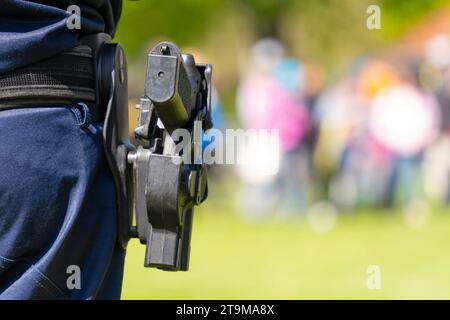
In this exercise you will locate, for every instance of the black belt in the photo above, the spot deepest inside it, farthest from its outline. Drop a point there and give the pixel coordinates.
(62, 79)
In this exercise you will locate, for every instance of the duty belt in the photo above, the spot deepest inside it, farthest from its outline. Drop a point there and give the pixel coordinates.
(62, 79)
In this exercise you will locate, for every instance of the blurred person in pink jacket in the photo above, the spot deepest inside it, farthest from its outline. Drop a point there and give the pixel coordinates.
(268, 98)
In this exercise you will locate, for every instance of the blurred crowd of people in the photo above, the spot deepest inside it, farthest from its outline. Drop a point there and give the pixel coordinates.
(377, 136)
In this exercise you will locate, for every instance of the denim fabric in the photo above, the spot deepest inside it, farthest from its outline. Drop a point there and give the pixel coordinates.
(57, 206)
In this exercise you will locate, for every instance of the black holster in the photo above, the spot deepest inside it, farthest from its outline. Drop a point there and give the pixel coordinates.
(152, 179)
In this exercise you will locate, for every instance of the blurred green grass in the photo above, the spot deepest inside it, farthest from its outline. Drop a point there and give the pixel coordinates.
(284, 259)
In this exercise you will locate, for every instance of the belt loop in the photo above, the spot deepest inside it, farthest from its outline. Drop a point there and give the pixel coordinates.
(82, 113)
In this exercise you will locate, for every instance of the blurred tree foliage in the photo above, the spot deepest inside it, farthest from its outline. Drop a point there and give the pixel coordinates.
(183, 21)
(187, 21)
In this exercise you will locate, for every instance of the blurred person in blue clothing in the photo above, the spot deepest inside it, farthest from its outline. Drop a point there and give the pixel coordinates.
(218, 118)
(293, 178)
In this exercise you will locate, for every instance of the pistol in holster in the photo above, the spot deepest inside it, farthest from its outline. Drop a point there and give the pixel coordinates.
(155, 180)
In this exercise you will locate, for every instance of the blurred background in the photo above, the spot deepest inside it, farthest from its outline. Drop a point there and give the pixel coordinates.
(363, 176)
